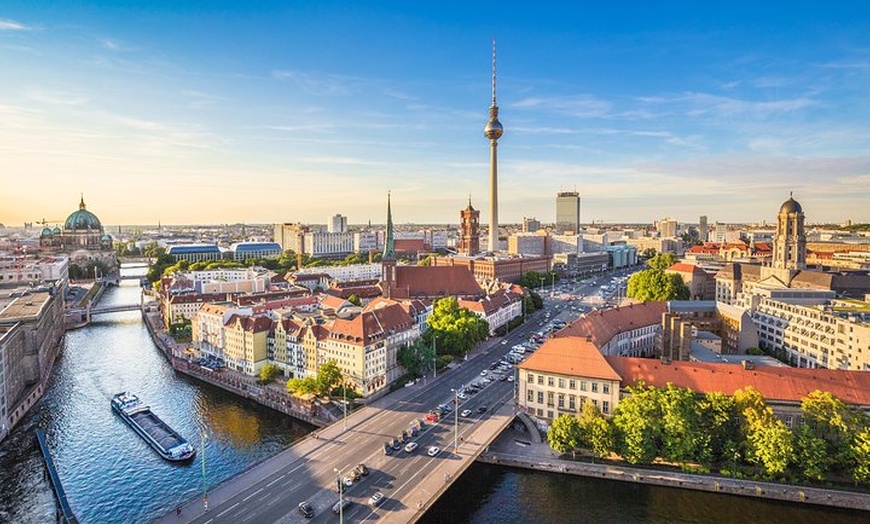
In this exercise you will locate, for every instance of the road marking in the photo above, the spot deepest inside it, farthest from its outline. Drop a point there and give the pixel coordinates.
(251, 495)
(226, 510)
(276, 480)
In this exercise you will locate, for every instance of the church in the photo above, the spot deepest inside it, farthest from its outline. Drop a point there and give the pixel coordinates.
(82, 238)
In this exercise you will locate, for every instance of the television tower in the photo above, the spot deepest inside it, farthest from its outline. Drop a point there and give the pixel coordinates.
(493, 132)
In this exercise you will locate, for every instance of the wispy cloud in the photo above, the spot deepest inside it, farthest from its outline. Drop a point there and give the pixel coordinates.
(319, 84)
(12, 25)
(582, 106)
(60, 98)
(110, 44)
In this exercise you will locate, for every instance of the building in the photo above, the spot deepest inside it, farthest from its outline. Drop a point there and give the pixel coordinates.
(667, 227)
(531, 225)
(493, 132)
(497, 309)
(565, 373)
(702, 228)
(243, 251)
(352, 272)
(790, 242)
(337, 224)
(529, 244)
(626, 331)
(82, 231)
(195, 252)
(31, 328)
(469, 237)
(701, 284)
(497, 268)
(621, 255)
(568, 212)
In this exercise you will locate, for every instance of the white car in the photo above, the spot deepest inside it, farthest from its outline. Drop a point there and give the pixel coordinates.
(433, 450)
(462, 396)
(410, 447)
(466, 413)
(484, 373)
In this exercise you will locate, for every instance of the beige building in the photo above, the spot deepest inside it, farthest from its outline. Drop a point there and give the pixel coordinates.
(246, 345)
(563, 375)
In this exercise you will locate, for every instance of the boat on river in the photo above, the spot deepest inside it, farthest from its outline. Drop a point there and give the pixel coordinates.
(165, 440)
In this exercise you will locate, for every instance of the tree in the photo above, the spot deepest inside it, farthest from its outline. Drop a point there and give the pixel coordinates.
(812, 456)
(416, 357)
(637, 420)
(564, 434)
(719, 427)
(302, 386)
(681, 434)
(268, 373)
(455, 330)
(772, 447)
(353, 299)
(662, 261)
(832, 421)
(328, 376)
(596, 431)
(861, 455)
(656, 285)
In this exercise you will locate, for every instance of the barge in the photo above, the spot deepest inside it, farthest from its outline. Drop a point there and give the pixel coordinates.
(165, 440)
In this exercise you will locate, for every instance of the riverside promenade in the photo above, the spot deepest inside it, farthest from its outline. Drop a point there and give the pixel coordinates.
(515, 448)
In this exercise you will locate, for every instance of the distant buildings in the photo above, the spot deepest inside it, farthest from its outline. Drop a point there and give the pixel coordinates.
(242, 251)
(337, 224)
(667, 227)
(702, 228)
(531, 225)
(568, 212)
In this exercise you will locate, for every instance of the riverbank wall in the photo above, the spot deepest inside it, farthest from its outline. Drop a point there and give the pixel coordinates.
(237, 383)
(512, 452)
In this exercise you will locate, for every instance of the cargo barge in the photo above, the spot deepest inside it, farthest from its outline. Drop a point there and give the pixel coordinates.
(165, 440)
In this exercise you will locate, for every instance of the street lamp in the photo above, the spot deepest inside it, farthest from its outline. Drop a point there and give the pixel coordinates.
(434, 359)
(340, 496)
(455, 419)
(344, 403)
(203, 438)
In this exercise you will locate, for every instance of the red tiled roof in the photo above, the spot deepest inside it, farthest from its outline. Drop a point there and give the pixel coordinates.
(685, 268)
(604, 325)
(435, 281)
(409, 245)
(774, 383)
(372, 325)
(570, 356)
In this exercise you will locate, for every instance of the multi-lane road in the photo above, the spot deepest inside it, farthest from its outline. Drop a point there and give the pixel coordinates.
(309, 470)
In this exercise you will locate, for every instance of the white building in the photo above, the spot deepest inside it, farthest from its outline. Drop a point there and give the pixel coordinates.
(349, 273)
(337, 224)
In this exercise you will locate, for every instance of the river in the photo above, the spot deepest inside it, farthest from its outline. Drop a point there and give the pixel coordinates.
(112, 476)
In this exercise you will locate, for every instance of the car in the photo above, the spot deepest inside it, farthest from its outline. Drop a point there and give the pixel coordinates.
(362, 468)
(396, 444)
(466, 413)
(432, 416)
(376, 499)
(482, 409)
(339, 506)
(306, 509)
(484, 373)
(503, 342)
(510, 378)
(348, 481)
(354, 475)
(410, 447)
(433, 450)
(388, 450)
(462, 396)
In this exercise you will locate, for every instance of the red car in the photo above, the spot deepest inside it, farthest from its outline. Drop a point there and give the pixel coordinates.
(432, 417)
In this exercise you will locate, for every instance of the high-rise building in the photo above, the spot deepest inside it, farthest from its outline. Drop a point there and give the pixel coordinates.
(790, 242)
(702, 228)
(530, 225)
(667, 227)
(337, 224)
(568, 212)
(469, 240)
(493, 132)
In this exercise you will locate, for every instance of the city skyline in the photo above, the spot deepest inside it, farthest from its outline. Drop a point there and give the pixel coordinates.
(271, 114)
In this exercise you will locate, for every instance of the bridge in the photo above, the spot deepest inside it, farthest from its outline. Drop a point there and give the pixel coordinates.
(99, 310)
(410, 481)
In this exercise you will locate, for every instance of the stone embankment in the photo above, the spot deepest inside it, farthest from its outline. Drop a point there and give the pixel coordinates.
(234, 382)
(514, 448)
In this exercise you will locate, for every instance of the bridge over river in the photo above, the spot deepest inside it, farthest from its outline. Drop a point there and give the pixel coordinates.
(410, 482)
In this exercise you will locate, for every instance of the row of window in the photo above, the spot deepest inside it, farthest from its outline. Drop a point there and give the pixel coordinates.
(560, 401)
(571, 383)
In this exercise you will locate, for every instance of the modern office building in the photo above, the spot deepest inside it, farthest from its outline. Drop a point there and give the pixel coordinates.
(702, 228)
(568, 212)
(337, 224)
(195, 252)
(251, 250)
(531, 225)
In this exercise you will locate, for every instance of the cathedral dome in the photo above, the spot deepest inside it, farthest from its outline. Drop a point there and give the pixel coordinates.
(46, 232)
(791, 206)
(82, 220)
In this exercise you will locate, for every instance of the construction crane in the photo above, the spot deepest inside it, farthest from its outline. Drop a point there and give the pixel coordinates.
(45, 222)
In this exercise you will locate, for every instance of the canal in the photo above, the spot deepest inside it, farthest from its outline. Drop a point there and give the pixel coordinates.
(112, 476)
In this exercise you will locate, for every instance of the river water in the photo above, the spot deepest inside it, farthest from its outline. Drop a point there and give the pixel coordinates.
(112, 476)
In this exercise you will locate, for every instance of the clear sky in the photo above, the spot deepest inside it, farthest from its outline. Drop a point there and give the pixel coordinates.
(264, 112)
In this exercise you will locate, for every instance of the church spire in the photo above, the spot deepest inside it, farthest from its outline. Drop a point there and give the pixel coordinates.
(82, 202)
(389, 245)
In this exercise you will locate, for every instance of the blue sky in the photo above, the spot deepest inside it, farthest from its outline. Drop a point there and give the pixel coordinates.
(295, 111)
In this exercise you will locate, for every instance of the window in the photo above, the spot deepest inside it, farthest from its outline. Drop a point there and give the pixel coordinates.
(582, 385)
(605, 406)
(605, 388)
(550, 381)
(561, 400)
(540, 397)
(531, 378)
(595, 387)
(572, 404)
(572, 384)
(540, 380)
(530, 396)
(561, 383)
(549, 413)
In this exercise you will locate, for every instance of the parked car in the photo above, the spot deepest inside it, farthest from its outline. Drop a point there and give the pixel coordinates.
(362, 469)
(433, 450)
(306, 509)
(339, 506)
(466, 413)
(410, 447)
(388, 450)
(482, 409)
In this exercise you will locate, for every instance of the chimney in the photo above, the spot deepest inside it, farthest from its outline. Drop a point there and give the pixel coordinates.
(748, 364)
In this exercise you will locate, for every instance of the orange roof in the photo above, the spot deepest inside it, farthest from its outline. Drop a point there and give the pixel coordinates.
(435, 282)
(685, 268)
(774, 383)
(412, 245)
(570, 356)
(372, 325)
(606, 324)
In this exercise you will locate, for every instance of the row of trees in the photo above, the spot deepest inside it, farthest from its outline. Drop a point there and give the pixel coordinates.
(327, 378)
(653, 284)
(739, 435)
(535, 279)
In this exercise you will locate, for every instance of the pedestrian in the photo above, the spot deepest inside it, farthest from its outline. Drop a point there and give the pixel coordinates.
(178, 510)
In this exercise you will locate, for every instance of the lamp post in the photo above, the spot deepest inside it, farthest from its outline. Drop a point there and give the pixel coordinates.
(340, 496)
(344, 403)
(203, 437)
(434, 359)
(455, 419)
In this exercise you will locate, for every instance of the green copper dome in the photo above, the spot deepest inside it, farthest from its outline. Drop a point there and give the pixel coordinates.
(82, 220)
